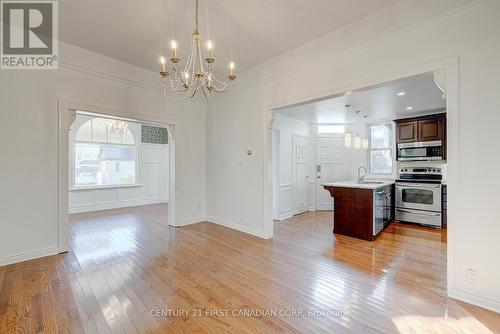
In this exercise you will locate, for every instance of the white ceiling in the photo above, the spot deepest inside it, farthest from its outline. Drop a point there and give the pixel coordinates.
(136, 31)
(375, 103)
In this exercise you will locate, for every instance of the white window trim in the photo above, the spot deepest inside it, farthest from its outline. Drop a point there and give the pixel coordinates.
(392, 148)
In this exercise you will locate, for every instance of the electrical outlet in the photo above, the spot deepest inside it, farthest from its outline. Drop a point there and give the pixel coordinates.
(471, 276)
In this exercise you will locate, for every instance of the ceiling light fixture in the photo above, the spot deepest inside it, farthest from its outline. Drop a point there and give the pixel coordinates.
(366, 143)
(357, 142)
(401, 94)
(409, 108)
(195, 77)
(347, 134)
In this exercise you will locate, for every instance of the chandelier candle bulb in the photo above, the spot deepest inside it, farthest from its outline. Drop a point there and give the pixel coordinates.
(209, 48)
(162, 61)
(231, 75)
(163, 71)
(173, 44)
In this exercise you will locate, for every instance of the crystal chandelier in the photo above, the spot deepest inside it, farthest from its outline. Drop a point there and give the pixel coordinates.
(197, 74)
(117, 127)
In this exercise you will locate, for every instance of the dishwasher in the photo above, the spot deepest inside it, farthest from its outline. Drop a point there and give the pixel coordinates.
(382, 210)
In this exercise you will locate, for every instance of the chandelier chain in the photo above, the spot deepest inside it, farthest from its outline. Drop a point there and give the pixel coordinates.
(196, 14)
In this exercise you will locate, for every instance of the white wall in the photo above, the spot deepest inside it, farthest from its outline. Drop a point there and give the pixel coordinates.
(403, 37)
(29, 137)
(288, 127)
(152, 177)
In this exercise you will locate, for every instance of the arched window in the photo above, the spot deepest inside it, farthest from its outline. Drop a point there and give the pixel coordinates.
(105, 153)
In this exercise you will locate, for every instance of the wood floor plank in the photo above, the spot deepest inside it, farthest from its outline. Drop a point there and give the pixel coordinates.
(126, 270)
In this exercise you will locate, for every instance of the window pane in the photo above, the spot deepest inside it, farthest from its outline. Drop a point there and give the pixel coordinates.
(114, 138)
(99, 130)
(331, 128)
(84, 133)
(381, 162)
(101, 165)
(87, 166)
(128, 138)
(380, 136)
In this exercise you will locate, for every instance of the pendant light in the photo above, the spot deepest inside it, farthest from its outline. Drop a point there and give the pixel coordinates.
(348, 134)
(365, 143)
(357, 142)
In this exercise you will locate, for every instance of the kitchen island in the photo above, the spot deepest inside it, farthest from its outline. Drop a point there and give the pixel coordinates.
(361, 209)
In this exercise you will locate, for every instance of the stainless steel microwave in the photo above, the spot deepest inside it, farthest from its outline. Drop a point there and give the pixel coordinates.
(420, 151)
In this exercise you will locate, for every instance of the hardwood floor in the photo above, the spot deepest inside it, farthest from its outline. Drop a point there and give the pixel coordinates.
(128, 273)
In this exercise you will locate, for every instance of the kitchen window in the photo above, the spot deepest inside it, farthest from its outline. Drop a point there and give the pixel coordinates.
(104, 156)
(380, 149)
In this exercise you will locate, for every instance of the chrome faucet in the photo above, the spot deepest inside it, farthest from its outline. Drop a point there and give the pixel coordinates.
(361, 179)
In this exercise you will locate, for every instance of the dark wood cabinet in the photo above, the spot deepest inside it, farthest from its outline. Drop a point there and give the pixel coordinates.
(425, 128)
(407, 132)
(354, 211)
(431, 129)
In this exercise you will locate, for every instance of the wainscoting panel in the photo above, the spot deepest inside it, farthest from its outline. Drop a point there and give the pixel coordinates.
(286, 201)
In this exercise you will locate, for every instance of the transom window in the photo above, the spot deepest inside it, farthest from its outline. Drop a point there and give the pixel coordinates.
(105, 154)
(331, 128)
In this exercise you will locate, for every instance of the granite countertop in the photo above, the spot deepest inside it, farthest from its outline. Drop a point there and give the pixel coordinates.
(355, 184)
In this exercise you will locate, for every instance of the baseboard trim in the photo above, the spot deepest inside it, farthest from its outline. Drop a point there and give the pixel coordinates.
(285, 215)
(240, 227)
(114, 205)
(475, 300)
(191, 221)
(21, 257)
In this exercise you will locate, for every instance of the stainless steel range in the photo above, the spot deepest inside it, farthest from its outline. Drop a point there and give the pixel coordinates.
(418, 195)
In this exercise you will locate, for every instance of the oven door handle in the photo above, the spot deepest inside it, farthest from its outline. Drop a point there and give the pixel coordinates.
(417, 185)
(419, 214)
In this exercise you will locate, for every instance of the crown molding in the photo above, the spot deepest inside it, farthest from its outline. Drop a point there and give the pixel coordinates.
(384, 36)
(123, 80)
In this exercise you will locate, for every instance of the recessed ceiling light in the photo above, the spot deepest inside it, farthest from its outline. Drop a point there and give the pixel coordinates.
(401, 94)
(409, 108)
(348, 93)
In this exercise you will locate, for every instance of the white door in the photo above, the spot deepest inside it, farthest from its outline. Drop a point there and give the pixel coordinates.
(332, 166)
(300, 176)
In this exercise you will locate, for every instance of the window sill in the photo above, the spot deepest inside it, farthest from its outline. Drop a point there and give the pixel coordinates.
(107, 187)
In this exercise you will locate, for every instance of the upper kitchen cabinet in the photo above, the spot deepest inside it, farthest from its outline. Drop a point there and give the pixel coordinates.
(425, 128)
(406, 132)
